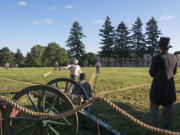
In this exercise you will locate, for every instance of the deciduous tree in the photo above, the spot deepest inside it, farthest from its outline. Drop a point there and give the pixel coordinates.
(34, 58)
(6, 56)
(88, 59)
(54, 53)
(18, 57)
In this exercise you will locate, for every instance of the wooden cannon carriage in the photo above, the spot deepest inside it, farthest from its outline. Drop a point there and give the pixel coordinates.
(51, 98)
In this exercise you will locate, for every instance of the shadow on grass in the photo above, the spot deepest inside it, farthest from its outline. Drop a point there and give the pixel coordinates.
(7, 93)
(125, 126)
(122, 124)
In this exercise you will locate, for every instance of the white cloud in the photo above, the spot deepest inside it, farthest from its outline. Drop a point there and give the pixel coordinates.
(49, 20)
(68, 6)
(22, 3)
(166, 17)
(52, 7)
(36, 22)
(98, 21)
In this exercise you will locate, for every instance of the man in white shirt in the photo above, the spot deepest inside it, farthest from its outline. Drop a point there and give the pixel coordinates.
(75, 70)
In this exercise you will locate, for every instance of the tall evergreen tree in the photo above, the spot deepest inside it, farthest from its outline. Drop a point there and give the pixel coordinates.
(138, 38)
(122, 41)
(152, 33)
(107, 41)
(74, 42)
(18, 57)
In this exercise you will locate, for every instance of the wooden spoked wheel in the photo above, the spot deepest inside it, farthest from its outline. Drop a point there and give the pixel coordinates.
(67, 85)
(41, 98)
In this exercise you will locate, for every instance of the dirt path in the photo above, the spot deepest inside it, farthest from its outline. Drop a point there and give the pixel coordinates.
(122, 89)
(111, 91)
(92, 79)
(2, 78)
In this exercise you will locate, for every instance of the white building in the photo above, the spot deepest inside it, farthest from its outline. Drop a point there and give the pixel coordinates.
(178, 56)
(131, 61)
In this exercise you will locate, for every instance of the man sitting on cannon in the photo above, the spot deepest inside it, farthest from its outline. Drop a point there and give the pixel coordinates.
(85, 85)
(76, 94)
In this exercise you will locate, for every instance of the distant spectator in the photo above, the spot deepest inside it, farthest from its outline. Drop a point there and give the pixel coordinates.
(56, 65)
(7, 65)
(98, 65)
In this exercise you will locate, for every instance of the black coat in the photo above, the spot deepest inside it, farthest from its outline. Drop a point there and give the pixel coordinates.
(162, 69)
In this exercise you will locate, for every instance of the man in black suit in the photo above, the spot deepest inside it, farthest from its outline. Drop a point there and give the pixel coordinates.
(163, 68)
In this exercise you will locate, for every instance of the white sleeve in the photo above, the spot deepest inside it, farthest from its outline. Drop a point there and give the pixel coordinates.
(67, 67)
(80, 70)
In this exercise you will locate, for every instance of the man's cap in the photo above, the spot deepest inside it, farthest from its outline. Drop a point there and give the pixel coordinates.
(75, 61)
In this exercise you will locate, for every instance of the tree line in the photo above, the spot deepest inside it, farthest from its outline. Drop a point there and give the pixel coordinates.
(42, 56)
(38, 56)
(115, 43)
(121, 42)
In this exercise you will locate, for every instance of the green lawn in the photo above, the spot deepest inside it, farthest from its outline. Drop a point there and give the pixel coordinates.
(134, 100)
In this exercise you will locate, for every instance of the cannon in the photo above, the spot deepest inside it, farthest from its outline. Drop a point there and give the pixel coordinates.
(53, 98)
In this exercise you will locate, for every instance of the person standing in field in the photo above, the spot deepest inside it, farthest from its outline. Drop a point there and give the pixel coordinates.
(75, 69)
(56, 65)
(98, 65)
(7, 65)
(163, 68)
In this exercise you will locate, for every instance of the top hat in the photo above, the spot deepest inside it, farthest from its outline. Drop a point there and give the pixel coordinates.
(164, 43)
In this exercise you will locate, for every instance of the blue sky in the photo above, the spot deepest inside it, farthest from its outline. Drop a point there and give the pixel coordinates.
(25, 23)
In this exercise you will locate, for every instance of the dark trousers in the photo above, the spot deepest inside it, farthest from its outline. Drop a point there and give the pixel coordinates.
(97, 69)
(74, 77)
(167, 115)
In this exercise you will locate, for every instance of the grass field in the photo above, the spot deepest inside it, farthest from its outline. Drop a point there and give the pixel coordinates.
(126, 87)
